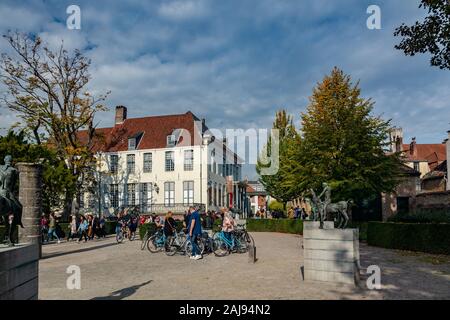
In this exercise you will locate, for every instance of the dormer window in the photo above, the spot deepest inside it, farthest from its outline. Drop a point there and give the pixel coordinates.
(132, 144)
(171, 140)
(134, 140)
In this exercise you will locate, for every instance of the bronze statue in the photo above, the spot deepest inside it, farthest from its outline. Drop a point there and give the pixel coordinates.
(10, 207)
(325, 208)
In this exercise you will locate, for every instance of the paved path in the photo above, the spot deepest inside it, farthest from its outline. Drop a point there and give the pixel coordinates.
(123, 271)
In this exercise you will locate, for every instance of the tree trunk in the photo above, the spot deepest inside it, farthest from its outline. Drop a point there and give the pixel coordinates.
(68, 205)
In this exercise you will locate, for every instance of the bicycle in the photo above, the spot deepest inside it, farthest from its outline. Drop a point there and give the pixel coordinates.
(124, 234)
(145, 239)
(239, 241)
(156, 242)
(179, 242)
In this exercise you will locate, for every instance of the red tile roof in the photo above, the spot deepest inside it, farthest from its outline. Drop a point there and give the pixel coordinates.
(432, 153)
(155, 131)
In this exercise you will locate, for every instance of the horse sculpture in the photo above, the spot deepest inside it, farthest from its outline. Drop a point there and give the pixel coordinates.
(324, 208)
(10, 207)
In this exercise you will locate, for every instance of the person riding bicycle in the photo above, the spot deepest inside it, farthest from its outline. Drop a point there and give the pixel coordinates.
(229, 223)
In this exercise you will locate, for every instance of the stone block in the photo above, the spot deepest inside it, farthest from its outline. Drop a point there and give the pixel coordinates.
(332, 234)
(330, 276)
(312, 225)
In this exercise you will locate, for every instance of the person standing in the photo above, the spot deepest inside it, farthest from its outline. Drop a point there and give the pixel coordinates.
(82, 229)
(101, 225)
(194, 231)
(72, 228)
(228, 225)
(52, 228)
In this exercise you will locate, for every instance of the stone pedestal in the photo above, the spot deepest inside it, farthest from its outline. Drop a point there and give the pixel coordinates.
(19, 270)
(30, 195)
(330, 255)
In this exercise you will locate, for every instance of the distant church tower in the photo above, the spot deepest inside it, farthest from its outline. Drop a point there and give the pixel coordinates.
(396, 139)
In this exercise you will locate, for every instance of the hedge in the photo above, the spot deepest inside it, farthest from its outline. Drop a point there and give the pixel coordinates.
(423, 237)
(294, 226)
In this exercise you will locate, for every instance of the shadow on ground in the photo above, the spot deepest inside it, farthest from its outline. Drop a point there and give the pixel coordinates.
(63, 253)
(123, 293)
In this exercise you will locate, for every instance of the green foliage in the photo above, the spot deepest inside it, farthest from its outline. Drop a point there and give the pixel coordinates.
(217, 226)
(340, 143)
(343, 144)
(423, 237)
(362, 226)
(57, 179)
(423, 216)
(432, 35)
(294, 226)
(276, 206)
(275, 184)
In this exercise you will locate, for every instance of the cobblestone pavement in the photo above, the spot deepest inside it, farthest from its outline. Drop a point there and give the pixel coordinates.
(123, 271)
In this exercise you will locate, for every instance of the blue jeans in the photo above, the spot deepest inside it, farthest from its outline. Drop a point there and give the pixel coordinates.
(51, 233)
(195, 249)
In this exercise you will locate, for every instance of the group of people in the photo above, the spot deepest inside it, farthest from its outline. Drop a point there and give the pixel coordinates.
(292, 213)
(125, 219)
(193, 223)
(82, 226)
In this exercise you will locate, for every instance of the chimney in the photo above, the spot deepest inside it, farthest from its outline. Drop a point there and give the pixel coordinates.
(121, 114)
(412, 147)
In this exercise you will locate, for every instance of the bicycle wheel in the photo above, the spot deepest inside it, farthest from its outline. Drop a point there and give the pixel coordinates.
(152, 244)
(144, 241)
(220, 248)
(172, 246)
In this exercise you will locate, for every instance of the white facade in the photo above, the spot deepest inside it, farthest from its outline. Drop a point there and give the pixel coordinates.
(126, 180)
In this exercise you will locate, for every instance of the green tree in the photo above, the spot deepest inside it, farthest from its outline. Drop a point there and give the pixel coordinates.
(275, 184)
(343, 144)
(432, 35)
(57, 179)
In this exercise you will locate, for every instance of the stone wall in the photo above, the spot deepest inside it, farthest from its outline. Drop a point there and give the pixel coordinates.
(19, 269)
(406, 189)
(433, 200)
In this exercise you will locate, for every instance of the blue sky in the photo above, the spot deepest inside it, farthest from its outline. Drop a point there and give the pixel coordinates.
(236, 62)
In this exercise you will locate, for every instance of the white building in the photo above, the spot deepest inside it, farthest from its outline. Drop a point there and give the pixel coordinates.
(164, 163)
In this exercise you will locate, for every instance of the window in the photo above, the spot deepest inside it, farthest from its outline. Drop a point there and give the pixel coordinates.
(130, 163)
(188, 160)
(171, 140)
(132, 144)
(169, 194)
(114, 195)
(81, 201)
(417, 166)
(148, 158)
(418, 185)
(131, 194)
(170, 165)
(145, 198)
(188, 192)
(113, 163)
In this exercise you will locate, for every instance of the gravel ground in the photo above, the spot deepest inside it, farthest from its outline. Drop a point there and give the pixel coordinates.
(122, 271)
